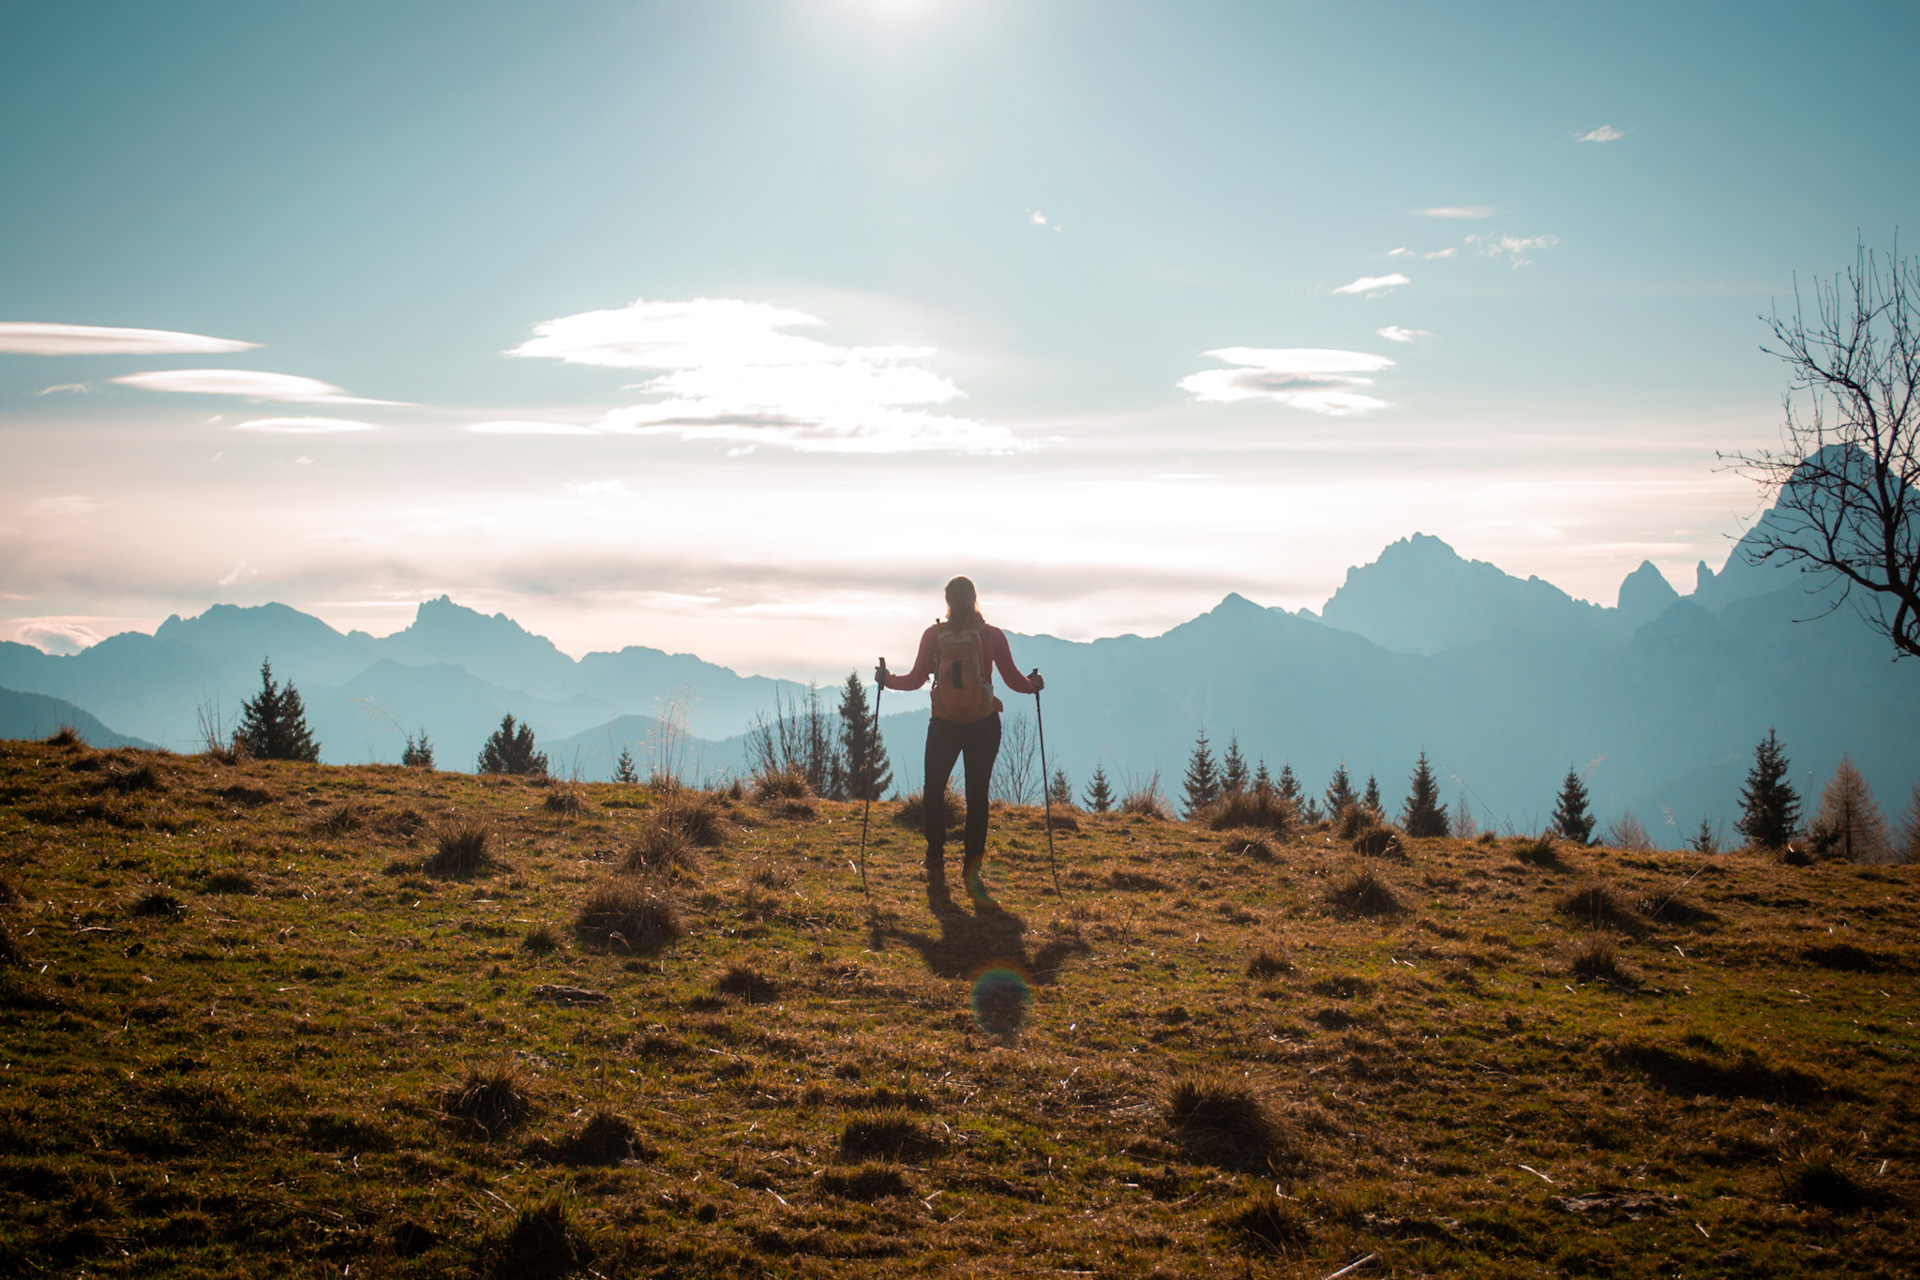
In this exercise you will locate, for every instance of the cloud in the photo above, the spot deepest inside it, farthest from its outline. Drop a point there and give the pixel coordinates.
(1394, 333)
(600, 488)
(1311, 378)
(1404, 252)
(1605, 133)
(1517, 248)
(253, 384)
(1374, 286)
(518, 428)
(304, 426)
(30, 338)
(1458, 211)
(727, 370)
(64, 389)
(1039, 219)
(61, 637)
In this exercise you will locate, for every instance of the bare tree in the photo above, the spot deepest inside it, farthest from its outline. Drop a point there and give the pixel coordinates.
(797, 740)
(1016, 774)
(1847, 473)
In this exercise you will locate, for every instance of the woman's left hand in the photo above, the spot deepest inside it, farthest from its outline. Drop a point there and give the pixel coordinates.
(1038, 682)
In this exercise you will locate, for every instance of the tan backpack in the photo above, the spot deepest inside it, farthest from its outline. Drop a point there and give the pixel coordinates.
(962, 675)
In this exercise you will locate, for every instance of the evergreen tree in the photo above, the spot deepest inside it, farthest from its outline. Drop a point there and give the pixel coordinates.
(1340, 793)
(1060, 791)
(1233, 768)
(1423, 814)
(273, 725)
(1203, 776)
(1849, 824)
(1371, 798)
(1289, 787)
(1099, 793)
(510, 750)
(1704, 840)
(862, 756)
(418, 753)
(1571, 817)
(623, 770)
(1262, 780)
(1769, 806)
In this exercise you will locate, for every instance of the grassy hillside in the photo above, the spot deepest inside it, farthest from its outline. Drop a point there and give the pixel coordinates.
(260, 1019)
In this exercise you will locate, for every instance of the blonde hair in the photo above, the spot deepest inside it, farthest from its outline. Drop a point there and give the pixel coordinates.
(963, 602)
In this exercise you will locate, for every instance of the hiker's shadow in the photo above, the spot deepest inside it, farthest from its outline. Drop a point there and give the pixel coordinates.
(970, 943)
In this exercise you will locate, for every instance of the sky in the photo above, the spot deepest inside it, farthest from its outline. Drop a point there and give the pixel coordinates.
(736, 327)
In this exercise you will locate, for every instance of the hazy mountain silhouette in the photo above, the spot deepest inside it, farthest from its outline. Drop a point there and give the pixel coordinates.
(34, 715)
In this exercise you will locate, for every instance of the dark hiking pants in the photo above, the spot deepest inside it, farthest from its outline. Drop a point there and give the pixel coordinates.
(947, 742)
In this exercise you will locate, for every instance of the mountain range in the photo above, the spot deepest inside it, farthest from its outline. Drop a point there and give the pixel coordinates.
(1505, 683)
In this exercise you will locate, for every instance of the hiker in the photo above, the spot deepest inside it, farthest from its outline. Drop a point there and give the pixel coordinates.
(960, 655)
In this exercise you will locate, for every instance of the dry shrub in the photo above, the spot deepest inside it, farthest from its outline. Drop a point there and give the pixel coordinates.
(491, 1100)
(1597, 907)
(461, 851)
(1365, 893)
(781, 784)
(161, 903)
(68, 737)
(1542, 850)
(890, 1132)
(565, 799)
(541, 939)
(1143, 800)
(701, 816)
(1261, 808)
(748, 983)
(1598, 960)
(1269, 963)
(867, 1181)
(1225, 1123)
(231, 881)
(661, 850)
(629, 914)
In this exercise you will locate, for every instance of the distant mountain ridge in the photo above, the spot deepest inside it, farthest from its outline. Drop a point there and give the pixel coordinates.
(1504, 682)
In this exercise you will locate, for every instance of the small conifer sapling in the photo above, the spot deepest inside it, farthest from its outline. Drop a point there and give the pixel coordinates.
(1099, 792)
(1424, 814)
(1769, 806)
(1572, 819)
(273, 724)
(510, 750)
(623, 768)
(1202, 782)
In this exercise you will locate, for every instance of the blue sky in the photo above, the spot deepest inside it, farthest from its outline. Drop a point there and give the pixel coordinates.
(739, 327)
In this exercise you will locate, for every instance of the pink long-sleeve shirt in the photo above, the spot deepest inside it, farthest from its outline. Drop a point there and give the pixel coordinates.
(998, 655)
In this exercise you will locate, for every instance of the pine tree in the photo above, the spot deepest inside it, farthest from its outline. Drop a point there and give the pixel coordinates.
(1289, 786)
(1340, 793)
(1371, 798)
(1203, 776)
(1233, 768)
(1060, 791)
(273, 725)
(865, 773)
(1769, 806)
(1704, 840)
(1849, 824)
(623, 770)
(510, 750)
(1262, 780)
(418, 753)
(1423, 814)
(1099, 793)
(1571, 817)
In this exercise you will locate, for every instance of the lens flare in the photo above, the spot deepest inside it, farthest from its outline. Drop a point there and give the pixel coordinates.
(1001, 997)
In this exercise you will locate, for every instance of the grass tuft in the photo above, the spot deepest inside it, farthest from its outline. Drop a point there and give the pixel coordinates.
(1599, 907)
(541, 939)
(462, 851)
(748, 983)
(1542, 850)
(68, 737)
(1598, 960)
(662, 850)
(1379, 842)
(635, 915)
(889, 1132)
(1355, 821)
(345, 818)
(159, 903)
(491, 1101)
(606, 1138)
(911, 812)
(1145, 801)
(565, 799)
(1265, 1222)
(1365, 893)
(781, 784)
(1266, 963)
(232, 882)
(1225, 1123)
(701, 816)
(543, 1241)
(128, 778)
(1819, 1178)
(867, 1181)
(1261, 808)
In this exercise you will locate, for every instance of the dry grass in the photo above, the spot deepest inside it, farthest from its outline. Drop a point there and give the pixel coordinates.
(490, 1101)
(911, 812)
(565, 799)
(662, 850)
(542, 939)
(630, 914)
(1599, 907)
(462, 851)
(1542, 850)
(161, 903)
(1261, 809)
(1269, 963)
(1226, 1123)
(1365, 893)
(1597, 959)
(781, 784)
(701, 816)
(605, 1138)
(891, 1131)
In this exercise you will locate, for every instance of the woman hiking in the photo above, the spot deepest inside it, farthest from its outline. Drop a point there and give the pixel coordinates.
(960, 654)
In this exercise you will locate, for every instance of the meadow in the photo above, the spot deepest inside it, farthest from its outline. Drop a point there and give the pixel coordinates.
(263, 1018)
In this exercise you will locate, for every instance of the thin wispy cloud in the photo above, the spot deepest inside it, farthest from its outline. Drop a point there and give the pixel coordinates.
(729, 371)
(1605, 133)
(1519, 250)
(1404, 252)
(251, 383)
(512, 427)
(305, 426)
(64, 389)
(600, 489)
(1039, 219)
(31, 338)
(1394, 333)
(1458, 211)
(1316, 379)
(1374, 286)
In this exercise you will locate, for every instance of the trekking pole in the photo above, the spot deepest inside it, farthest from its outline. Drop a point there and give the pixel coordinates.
(1046, 790)
(866, 783)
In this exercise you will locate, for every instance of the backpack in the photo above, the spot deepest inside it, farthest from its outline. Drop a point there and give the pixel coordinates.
(962, 676)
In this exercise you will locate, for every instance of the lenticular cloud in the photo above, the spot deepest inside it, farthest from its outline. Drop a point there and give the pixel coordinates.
(1316, 379)
(729, 370)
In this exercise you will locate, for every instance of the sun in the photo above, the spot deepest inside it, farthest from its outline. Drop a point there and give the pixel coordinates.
(899, 12)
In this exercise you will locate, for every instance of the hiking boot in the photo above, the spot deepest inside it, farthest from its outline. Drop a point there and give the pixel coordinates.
(970, 877)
